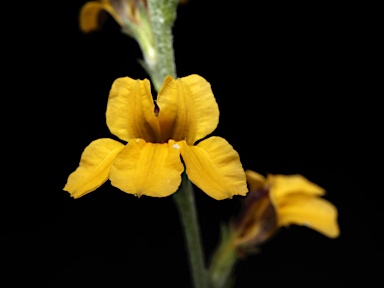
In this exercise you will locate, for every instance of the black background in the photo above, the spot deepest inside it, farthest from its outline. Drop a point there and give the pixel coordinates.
(293, 95)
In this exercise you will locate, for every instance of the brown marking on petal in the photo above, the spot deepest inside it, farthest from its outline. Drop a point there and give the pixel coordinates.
(257, 222)
(248, 203)
(268, 226)
(117, 5)
(122, 10)
(157, 109)
(101, 18)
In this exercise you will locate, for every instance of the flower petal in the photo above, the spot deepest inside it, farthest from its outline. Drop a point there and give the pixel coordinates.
(255, 180)
(188, 109)
(89, 16)
(148, 169)
(281, 186)
(214, 166)
(94, 167)
(131, 110)
(258, 223)
(90, 13)
(311, 211)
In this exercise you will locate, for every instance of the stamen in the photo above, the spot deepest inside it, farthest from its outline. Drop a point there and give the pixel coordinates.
(176, 146)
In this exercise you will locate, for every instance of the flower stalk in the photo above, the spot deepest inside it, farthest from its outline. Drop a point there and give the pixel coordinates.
(162, 16)
(153, 32)
(223, 261)
(142, 32)
(185, 202)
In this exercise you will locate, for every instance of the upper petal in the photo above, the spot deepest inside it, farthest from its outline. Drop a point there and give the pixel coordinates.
(89, 15)
(130, 110)
(214, 166)
(255, 180)
(148, 169)
(94, 167)
(281, 186)
(188, 109)
(311, 211)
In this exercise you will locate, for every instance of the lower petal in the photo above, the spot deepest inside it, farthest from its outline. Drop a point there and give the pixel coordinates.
(214, 166)
(94, 167)
(311, 211)
(151, 169)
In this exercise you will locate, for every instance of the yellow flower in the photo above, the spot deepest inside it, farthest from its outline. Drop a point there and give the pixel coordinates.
(282, 200)
(121, 10)
(157, 134)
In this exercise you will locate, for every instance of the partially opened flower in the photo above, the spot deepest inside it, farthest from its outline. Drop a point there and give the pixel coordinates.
(282, 200)
(157, 134)
(148, 22)
(272, 202)
(125, 12)
(131, 15)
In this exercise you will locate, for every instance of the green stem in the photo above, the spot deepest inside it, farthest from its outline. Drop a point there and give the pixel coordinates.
(223, 261)
(156, 36)
(162, 16)
(185, 202)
